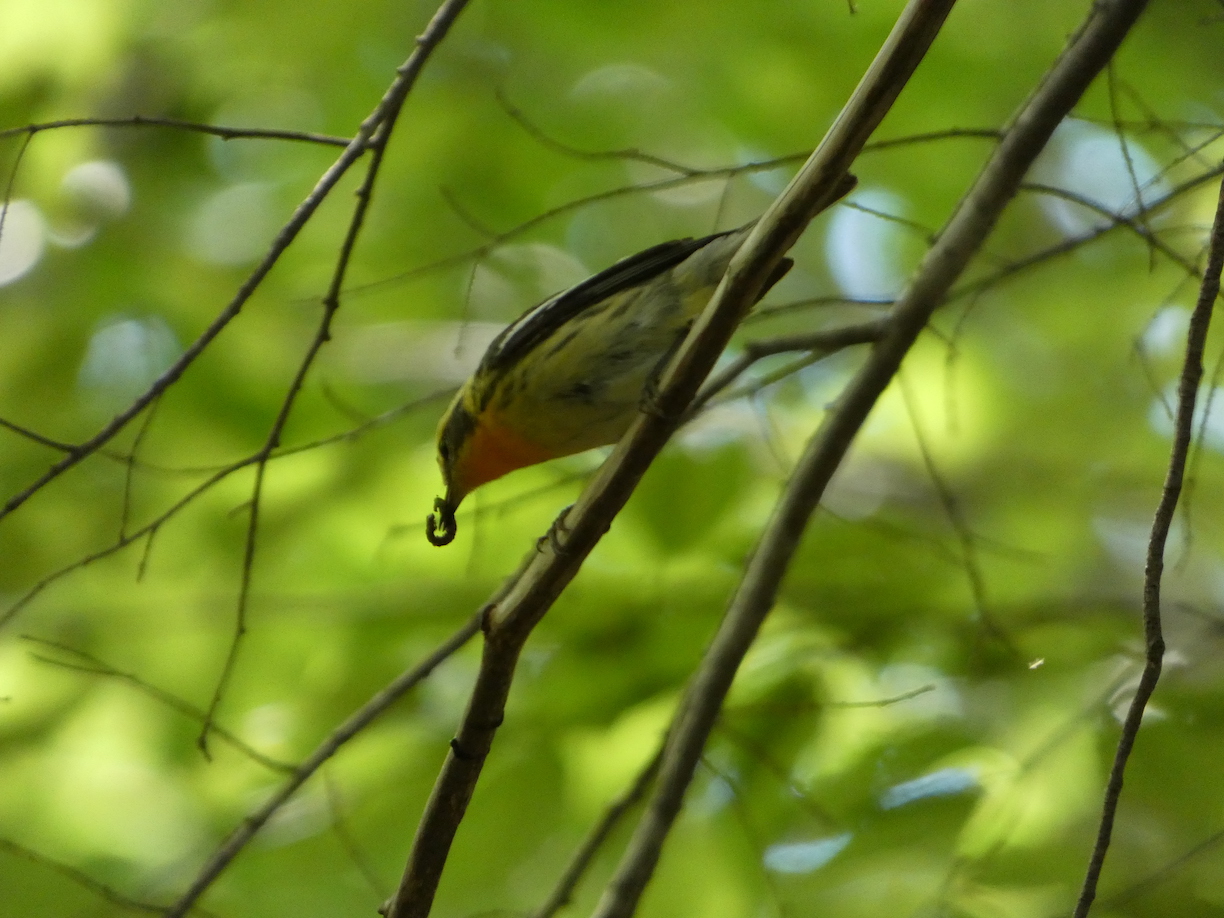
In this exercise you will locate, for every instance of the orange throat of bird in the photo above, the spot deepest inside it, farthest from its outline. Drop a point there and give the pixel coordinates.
(492, 451)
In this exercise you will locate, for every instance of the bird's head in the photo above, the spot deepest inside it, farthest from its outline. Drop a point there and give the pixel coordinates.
(475, 447)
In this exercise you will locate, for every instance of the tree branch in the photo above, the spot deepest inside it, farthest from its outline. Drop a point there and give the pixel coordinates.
(822, 181)
(85, 881)
(1183, 433)
(360, 719)
(88, 663)
(388, 113)
(369, 130)
(1089, 51)
(216, 130)
(596, 838)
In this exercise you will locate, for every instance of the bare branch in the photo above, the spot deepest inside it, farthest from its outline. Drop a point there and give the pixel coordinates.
(1074, 243)
(129, 462)
(84, 880)
(598, 835)
(822, 180)
(225, 133)
(1165, 871)
(1183, 432)
(35, 436)
(956, 519)
(375, 129)
(387, 114)
(360, 719)
(822, 343)
(1140, 229)
(339, 825)
(12, 181)
(147, 531)
(1088, 52)
(565, 149)
(697, 175)
(88, 663)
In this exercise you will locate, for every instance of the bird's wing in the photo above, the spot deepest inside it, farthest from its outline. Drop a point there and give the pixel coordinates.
(537, 323)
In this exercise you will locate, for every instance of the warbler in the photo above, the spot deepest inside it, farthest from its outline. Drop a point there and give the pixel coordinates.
(570, 373)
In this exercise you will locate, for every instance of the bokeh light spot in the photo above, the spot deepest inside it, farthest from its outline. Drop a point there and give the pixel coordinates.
(23, 237)
(233, 226)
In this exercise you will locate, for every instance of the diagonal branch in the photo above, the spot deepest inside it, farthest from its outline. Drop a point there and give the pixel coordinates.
(360, 719)
(1089, 51)
(823, 179)
(215, 130)
(36, 437)
(88, 663)
(372, 128)
(597, 837)
(85, 881)
(388, 112)
(1183, 433)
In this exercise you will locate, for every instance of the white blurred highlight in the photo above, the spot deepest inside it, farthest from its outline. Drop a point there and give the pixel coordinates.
(23, 238)
(862, 249)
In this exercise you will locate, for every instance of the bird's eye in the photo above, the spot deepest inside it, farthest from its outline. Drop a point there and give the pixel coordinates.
(444, 452)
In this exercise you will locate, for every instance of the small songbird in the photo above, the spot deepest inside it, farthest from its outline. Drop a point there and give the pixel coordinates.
(570, 374)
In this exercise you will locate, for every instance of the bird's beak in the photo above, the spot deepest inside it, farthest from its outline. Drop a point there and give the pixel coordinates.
(440, 528)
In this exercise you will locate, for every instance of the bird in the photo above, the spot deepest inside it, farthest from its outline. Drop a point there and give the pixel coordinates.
(570, 374)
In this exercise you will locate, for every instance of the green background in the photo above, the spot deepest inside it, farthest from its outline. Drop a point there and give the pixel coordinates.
(1038, 394)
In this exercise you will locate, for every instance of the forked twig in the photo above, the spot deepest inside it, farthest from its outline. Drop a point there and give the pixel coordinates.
(383, 120)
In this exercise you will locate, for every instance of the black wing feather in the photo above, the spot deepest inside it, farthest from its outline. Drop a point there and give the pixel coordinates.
(537, 323)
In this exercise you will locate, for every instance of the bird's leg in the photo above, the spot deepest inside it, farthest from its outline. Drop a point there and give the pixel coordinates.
(649, 403)
(553, 536)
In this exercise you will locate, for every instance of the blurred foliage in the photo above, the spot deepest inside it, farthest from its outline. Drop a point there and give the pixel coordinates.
(925, 724)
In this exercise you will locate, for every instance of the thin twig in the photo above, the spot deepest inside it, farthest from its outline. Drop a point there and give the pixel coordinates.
(781, 773)
(12, 182)
(1089, 51)
(35, 436)
(1169, 128)
(339, 825)
(129, 470)
(88, 663)
(215, 475)
(821, 181)
(973, 288)
(752, 833)
(822, 343)
(1120, 132)
(172, 374)
(885, 702)
(565, 149)
(1153, 639)
(217, 130)
(360, 719)
(149, 530)
(84, 880)
(1118, 218)
(720, 173)
(956, 519)
(1162, 873)
(596, 838)
(1197, 448)
(384, 122)
(374, 127)
(920, 230)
